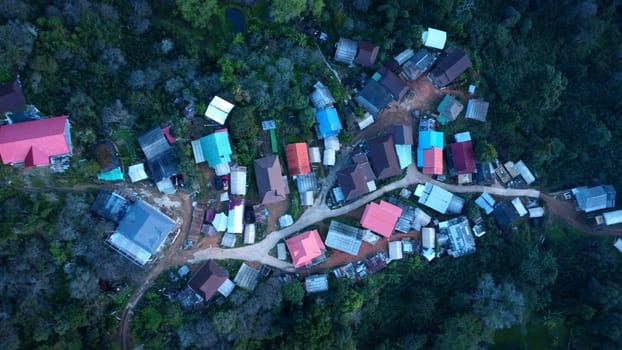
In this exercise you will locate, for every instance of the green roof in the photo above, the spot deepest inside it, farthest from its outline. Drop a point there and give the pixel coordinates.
(112, 175)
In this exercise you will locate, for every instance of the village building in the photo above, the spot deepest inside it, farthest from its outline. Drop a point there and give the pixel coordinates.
(610, 218)
(461, 241)
(316, 283)
(281, 252)
(238, 181)
(519, 206)
(328, 123)
(366, 121)
(307, 184)
(214, 148)
(228, 240)
(383, 158)
(346, 50)
(477, 109)
(428, 243)
(395, 250)
(218, 110)
(235, 221)
(137, 172)
(209, 279)
(220, 222)
(297, 159)
(321, 98)
(271, 184)
(439, 199)
(367, 54)
(109, 162)
(434, 38)
(430, 151)
(505, 214)
(404, 56)
(396, 85)
(511, 170)
(595, 198)
(355, 180)
(160, 159)
(314, 155)
(484, 174)
(35, 143)
(433, 161)
(502, 174)
(344, 237)
(381, 218)
(536, 212)
(449, 109)
(449, 67)
(374, 97)
(461, 160)
(249, 234)
(403, 139)
(247, 277)
(330, 157)
(332, 143)
(286, 220)
(618, 244)
(524, 172)
(486, 202)
(418, 64)
(306, 249)
(11, 97)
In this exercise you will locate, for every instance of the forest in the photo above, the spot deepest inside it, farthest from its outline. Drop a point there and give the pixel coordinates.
(551, 69)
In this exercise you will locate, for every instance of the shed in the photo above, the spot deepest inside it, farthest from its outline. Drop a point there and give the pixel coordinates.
(137, 172)
(366, 121)
(314, 155)
(404, 155)
(249, 234)
(329, 157)
(316, 283)
(281, 253)
(238, 181)
(418, 64)
(434, 38)
(428, 238)
(286, 220)
(395, 250)
(477, 109)
(220, 222)
(518, 205)
(321, 98)
(228, 240)
(404, 56)
(526, 174)
(226, 288)
(344, 237)
(332, 142)
(486, 202)
(247, 277)
(367, 54)
(218, 110)
(612, 217)
(346, 50)
(449, 109)
(462, 136)
(536, 212)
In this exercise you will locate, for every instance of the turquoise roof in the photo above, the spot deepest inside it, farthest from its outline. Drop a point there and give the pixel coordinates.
(428, 139)
(404, 155)
(112, 175)
(329, 123)
(216, 148)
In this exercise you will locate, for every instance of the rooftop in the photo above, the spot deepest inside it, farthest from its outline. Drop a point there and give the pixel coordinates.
(344, 237)
(208, 279)
(381, 218)
(297, 159)
(270, 183)
(305, 247)
(218, 110)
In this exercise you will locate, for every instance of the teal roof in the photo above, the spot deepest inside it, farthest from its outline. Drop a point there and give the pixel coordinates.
(216, 148)
(404, 155)
(428, 139)
(112, 175)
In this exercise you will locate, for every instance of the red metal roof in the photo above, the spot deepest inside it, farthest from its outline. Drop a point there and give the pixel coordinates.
(433, 161)
(167, 133)
(297, 159)
(464, 162)
(305, 247)
(381, 217)
(33, 142)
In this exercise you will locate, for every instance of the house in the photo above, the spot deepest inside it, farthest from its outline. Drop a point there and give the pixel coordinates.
(307, 185)
(141, 233)
(321, 98)
(461, 241)
(218, 110)
(272, 186)
(346, 50)
(228, 240)
(505, 214)
(404, 56)
(477, 109)
(11, 97)
(595, 198)
(137, 172)
(395, 250)
(35, 143)
(460, 158)
(433, 161)
(518, 205)
(160, 158)
(297, 159)
(449, 109)
(612, 217)
(486, 202)
(484, 173)
(249, 234)
(428, 139)
(109, 162)
(247, 277)
(235, 220)
(344, 237)
(449, 67)
(502, 174)
(396, 85)
(214, 148)
(332, 143)
(434, 38)
(316, 283)
(208, 280)
(421, 219)
(238, 181)
(381, 218)
(306, 249)
(381, 152)
(328, 123)
(418, 64)
(367, 54)
(404, 155)
(374, 97)
(358, 179)
(439, 199)
(524, 172)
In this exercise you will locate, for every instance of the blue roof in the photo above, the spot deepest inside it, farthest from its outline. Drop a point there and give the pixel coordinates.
(216, 148)
(329, 123)
(428, 139)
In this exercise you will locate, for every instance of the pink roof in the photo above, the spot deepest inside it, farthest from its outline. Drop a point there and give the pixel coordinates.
(433, 161)
(381, 218)
(305, 247)
(33, 142)
(167, 133)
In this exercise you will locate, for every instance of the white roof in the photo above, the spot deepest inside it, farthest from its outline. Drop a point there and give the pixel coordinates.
(370, 237)
(536, 212)
(428, 237)
(249, 234)
(435, 197)
(365, 122)
(421, 218)
(228, 240)
(613, 217)
(224, 197)
(128, 247)
(238, 181)
(226, 288)
(286, 220)
(281, 252)
(222, 169)
(220, 222)
(218, 110)
(518, 205)
(197, 151)
(331, 142)
(329, 157)
(463, 136)
(486, 202)
(344, 237)
(434, 38)
(395, 250)
(235, 224)
(404, 56)
(524, 172)
(404, 155)
(314, 155)
(165, 186)
(137, 172)
(618, 244)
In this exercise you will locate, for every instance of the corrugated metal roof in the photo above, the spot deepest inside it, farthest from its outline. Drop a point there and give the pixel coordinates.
(214, 148)
(346, 50)
(249, 234)
(434, 38)
(228, 240)
(247, 277)
(137, 172)
(314, 155)
(218, 110)
(344, 237)
(428, 238)
(477, 109)
(328, 122)
(226, 288)
(395, 250)
(235, 222)
(316, 283)
(238, 181)
(281, 253)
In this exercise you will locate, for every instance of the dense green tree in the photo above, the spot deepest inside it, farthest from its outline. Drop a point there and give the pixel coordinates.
(197, 12)
(286, 10)
(293, 292)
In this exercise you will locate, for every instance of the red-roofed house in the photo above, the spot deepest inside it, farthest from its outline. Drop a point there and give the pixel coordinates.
(166, 131)
(306, 248)
(462, 156)
(433, 161)
(381, 217)
(35, 142)
(297, 159)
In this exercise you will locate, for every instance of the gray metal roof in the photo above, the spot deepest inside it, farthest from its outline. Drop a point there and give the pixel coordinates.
(344, 237)
(461, 241)
(153, 142)
(595, 198)
(346, 50)
(247, 277)
(316, 283)
(145, 226)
